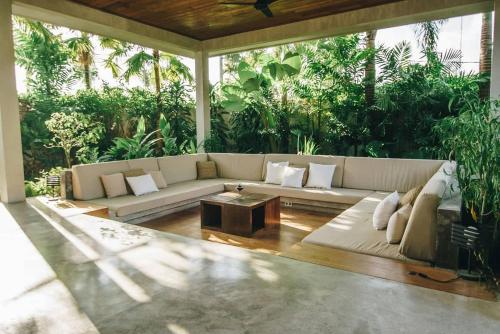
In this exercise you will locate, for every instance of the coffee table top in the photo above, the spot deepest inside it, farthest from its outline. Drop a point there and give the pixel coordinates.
(248, 200)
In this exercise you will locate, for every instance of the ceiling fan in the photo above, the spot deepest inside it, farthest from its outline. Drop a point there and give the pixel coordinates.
(262, 5)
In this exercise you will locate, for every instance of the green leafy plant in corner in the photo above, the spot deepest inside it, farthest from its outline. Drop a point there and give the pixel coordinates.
(473, 138)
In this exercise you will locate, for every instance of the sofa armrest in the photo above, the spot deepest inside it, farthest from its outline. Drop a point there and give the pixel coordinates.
(448, 212)
(67, 184)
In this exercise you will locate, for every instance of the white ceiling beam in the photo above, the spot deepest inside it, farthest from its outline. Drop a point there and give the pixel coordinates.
(379, 17)
(83, 18)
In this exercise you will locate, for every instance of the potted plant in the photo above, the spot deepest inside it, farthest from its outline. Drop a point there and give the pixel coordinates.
(473, 137)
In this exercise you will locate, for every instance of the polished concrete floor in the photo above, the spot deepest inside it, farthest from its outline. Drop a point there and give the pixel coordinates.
(90, 275)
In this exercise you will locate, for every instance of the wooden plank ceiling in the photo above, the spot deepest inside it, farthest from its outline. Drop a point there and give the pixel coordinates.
(205, 19)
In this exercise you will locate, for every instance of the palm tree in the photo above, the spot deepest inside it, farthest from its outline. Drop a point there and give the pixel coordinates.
(118, 49)
(163, 66)
(485, 56)
(83, 53)
(428, 34)
(370, 71)
(44, 56)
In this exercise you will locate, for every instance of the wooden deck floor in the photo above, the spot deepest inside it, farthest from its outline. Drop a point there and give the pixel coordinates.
(295, 225)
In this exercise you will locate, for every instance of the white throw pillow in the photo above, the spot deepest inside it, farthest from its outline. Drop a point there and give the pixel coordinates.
(143, 184)
(320, 176)
(114, 185)
(159, 179)
(384, 211)
(275, 171)
(292, 177)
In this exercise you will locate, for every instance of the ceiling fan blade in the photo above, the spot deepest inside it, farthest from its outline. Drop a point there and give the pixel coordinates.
(267, 12)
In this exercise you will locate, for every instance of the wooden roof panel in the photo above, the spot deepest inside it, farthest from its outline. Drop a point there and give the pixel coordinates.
(205, 19)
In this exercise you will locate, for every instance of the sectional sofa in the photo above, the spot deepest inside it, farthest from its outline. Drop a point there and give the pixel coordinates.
(358, 185)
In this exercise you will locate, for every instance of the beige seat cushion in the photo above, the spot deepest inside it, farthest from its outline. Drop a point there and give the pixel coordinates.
(419, 239)
(304, 160)
(87, 183)
(384, 174)
(352, 230)
(180, 168)
(397, 224)
(238, 166)
(334, 195)
(206, 170)
(174, 193)
(114, 185)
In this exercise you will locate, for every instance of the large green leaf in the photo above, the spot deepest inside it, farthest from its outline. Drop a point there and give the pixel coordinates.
(252, 85)
(233, 103)
(245, 72)
(293, 60)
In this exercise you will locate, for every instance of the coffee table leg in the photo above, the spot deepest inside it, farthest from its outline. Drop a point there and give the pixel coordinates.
(273, 214)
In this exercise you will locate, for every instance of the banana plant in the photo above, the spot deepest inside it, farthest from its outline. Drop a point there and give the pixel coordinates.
(251, 81)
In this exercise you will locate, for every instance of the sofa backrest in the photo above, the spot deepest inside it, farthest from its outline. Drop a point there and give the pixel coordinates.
(87, 183)
(238, 166)
(180, 168)
(147, 164)
(304, 160)
(386, 174)
(419, 239)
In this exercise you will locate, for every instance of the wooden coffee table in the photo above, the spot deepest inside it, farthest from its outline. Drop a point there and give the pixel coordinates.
(240, 214)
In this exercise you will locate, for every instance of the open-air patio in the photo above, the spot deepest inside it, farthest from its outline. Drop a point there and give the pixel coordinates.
(249, 236)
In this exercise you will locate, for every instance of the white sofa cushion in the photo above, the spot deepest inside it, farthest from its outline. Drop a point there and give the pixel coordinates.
(239, 165)
(320, 176)
(87, 183)
(114, 185)
(143, 184)
(292, 177)
(304, 160)
(384, 211)
(180, 168)
(387, 174)
(275, 172)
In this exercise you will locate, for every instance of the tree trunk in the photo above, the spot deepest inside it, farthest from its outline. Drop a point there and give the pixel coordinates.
(485, 56)
(221, 73)
(67, 156)
(370, 71)
(86, 73)
(156, 68)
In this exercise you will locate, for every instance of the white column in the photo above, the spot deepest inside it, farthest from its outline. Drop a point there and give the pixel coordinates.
(11, 157)
(495, 55)
(202, 97)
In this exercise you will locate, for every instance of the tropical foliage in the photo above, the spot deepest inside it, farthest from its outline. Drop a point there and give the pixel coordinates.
(341, 95)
